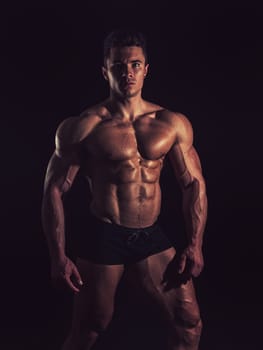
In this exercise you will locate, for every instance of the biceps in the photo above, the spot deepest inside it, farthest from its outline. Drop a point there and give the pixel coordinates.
(186, 165)
(60, 173)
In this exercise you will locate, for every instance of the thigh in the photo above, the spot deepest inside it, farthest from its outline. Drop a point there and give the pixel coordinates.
(156, 279)
(179, 297)
(150, 272)
(95, 301)
(145, 281)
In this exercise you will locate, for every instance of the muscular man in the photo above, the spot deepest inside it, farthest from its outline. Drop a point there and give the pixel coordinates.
(120, 144)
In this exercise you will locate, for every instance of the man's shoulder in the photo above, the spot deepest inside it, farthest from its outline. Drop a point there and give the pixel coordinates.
(99, 110)
(179, 123)
(75, 129)
(175, 119)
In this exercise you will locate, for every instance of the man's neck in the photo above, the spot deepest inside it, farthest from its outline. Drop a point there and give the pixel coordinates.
(128, 109)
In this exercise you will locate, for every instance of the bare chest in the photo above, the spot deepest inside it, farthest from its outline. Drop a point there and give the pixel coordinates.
(123, 141)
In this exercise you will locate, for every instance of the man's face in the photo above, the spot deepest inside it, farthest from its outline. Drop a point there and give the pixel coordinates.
(125, 70)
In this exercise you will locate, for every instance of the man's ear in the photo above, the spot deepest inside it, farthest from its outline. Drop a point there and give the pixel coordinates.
(104, 73)
(146, 70)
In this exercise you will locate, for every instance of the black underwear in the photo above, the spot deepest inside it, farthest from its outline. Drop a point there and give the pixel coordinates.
(112, 244)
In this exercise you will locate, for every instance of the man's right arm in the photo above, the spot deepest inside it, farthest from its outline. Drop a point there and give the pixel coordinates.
(62, 169)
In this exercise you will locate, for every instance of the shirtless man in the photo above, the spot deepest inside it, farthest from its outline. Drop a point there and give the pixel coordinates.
(121, 144)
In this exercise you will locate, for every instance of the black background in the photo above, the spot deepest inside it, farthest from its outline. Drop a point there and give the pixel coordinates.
(205, 61)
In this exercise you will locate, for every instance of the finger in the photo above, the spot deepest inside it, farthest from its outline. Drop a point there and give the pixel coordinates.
(185, 275)
(196, 270)
(182, 263)
(70, 284)
(77, 276)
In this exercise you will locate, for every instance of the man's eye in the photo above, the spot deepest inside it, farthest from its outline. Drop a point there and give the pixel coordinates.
(136, 64)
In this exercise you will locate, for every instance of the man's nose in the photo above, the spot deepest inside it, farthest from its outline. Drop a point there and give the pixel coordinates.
(127, 71)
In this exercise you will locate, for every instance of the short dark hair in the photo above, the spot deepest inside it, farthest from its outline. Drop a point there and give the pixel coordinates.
(124, 37)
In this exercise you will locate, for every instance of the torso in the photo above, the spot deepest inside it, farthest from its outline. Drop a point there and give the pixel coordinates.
(124, 161)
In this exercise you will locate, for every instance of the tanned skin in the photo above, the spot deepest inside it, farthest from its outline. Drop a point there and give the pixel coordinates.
(121, 144)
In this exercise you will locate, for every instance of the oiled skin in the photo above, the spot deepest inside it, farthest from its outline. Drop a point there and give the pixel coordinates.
(120, 145)
(125, 170)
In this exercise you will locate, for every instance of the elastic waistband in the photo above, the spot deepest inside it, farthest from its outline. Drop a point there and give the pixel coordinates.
(114, 226)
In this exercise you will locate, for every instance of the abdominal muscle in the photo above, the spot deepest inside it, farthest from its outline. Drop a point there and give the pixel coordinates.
(127, 193)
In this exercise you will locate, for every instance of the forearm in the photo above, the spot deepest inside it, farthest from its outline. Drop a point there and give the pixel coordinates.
(53, 223)
(195, 211)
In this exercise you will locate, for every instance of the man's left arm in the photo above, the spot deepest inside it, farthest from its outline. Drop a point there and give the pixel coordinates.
(187, 167)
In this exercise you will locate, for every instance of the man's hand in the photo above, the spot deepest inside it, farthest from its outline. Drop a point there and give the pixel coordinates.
(190, 263)
(64, 272)
(183, 267)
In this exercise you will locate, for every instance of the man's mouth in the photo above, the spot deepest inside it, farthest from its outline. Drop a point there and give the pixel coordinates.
(128, 83)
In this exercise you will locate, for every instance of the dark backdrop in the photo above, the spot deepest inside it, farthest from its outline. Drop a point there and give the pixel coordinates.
(206, 62)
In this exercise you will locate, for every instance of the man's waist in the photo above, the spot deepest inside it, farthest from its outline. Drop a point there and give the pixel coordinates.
(134, 220)
(120, 225)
